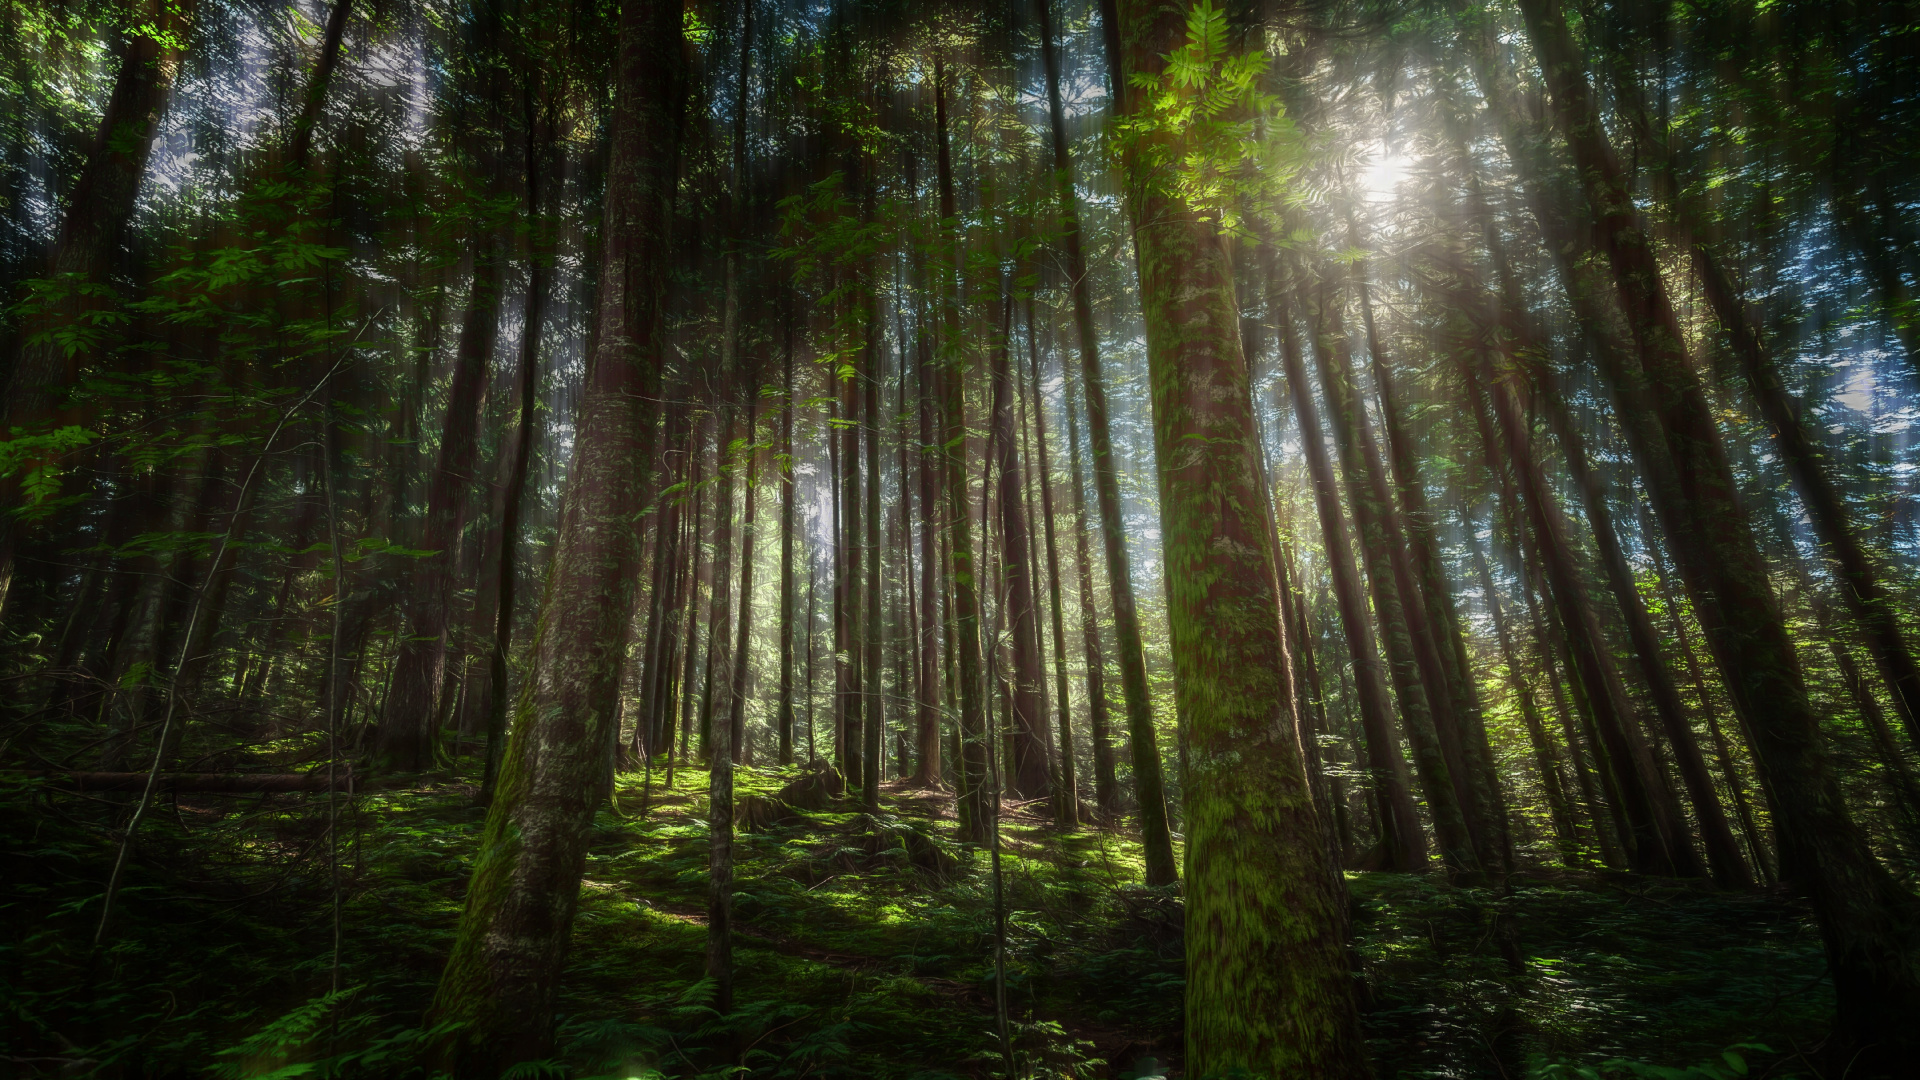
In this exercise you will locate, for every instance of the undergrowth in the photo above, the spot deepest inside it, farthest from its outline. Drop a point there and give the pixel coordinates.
(863, 950)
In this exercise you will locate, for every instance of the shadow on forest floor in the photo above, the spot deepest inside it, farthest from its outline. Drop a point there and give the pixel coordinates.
(863, 950)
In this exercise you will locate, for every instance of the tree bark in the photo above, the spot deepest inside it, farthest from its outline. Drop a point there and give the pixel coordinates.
(1402, 838)
(407, 738)
(1268, 986)
(1425, 588)
(1651, 827)
(1106, 787)
(1546, 759)
(1149, 783)
(964, 623)
(532, 325)
(98, 209)
(1401, 625)
(1068, 805)
(1028, 764)
(499, 985)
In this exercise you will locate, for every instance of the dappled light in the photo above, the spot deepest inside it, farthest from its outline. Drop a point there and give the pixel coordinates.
(1061, 539)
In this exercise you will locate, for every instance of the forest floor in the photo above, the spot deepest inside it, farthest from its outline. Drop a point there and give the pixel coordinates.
(863, 949)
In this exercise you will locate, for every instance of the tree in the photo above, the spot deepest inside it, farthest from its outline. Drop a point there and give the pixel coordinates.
(1267, 984)
(498, 987)
(1870, 924)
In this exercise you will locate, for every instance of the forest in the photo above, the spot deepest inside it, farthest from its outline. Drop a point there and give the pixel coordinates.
(1064, 539)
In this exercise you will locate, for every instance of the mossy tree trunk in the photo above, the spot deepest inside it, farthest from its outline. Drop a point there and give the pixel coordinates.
(500, 981)
(1268, 986)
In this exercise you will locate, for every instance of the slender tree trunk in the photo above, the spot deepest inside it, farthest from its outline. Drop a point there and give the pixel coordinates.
(737, 713)
(690, 627)
(1729, 774)
(1900, 779)
(1028, 765)
(716, 695)
(1799, 446)
(407, 738)
(1428, 592)
(1546, 645)
(1069, 803)
(1546, 760)
(300, 146)
(927, 462)
(873, 723)
(788, 511)
(500, 982)
(850, 651)
(1382, 545)
(1106, 788)
(1650, 823)
(532, 325)
(969, 681)
(661, 647)
(1723, 853)
(1871, 924)
(1149, 784)
(1402, 839)
(1268, 985)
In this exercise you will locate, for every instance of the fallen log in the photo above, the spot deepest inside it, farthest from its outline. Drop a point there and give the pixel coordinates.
(206, 783)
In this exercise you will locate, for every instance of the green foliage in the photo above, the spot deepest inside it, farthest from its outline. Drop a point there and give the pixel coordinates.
(1730, 1065)
(1207, 133)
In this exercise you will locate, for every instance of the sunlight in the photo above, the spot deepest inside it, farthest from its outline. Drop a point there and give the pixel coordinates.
(1380, 180)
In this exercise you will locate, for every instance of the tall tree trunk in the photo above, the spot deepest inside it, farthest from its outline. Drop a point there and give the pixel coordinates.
(1729, 870)
(1268, 986)
(1068, 805)
(1546, 644)
(1729, 774)
(1106, 788)
(1402, 839)
(499, 986)
(737, 713)
(407, 736)
(873, 722)
(1546, 759)
(969, 680)
(1649, 815)
(1799, 447)
(788, 512)
(300, 145)
(532, 326)
(1871, 924)
(98, 209)
(1426, 589)
(716, 694)
(1436, 751)
(1028, 765)
(927, 463)
(690, 627)
(1149, 784)
(850, 649)
(1723, 854)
